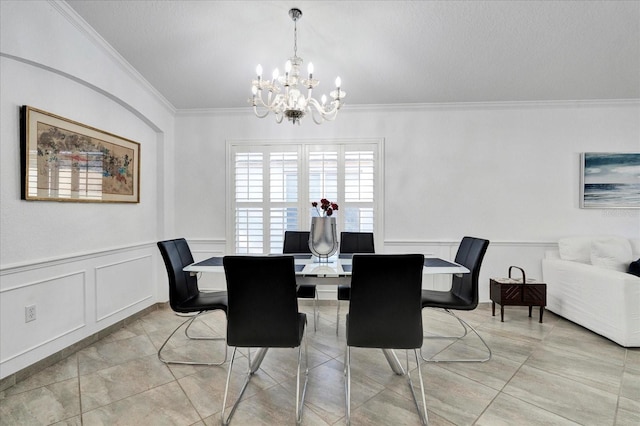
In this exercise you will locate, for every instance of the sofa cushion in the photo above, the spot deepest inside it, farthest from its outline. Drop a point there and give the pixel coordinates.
(575, 249)
(611, 253)
(634, 268)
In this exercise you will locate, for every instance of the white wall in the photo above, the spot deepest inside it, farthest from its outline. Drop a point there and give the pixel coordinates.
(84, 265)
(506, 172)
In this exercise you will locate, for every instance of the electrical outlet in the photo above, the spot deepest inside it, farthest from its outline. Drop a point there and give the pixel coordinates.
(29, 313)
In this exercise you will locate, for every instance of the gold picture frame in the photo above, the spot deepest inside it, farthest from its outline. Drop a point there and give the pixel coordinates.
(63, 160)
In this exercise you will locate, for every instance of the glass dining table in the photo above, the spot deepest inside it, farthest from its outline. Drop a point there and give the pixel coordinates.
(336, 271)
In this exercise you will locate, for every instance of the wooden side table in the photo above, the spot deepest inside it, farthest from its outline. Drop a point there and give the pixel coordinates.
(516, 292)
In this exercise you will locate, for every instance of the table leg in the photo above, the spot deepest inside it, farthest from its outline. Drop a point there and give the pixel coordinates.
(501, 313)
(493, 309)
(541, 311)
(530, 308)
(257, 360)
(392, 359)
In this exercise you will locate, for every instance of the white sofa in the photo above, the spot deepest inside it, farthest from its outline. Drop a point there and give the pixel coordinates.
(587, 283)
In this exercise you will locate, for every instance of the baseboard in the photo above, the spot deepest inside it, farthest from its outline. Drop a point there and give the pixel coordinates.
(52, 359)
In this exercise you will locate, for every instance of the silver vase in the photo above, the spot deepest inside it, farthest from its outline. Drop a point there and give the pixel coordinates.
(323, 239)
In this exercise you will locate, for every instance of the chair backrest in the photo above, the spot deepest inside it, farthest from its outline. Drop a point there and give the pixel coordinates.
(385, 309)
(296, 242)
(182, 285)
(470, 254)
(356, 242)
(262, 302)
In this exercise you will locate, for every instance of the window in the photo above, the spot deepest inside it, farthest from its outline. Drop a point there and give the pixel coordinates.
(272, 186)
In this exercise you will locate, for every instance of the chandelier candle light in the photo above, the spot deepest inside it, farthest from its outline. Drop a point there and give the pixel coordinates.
(293, 104)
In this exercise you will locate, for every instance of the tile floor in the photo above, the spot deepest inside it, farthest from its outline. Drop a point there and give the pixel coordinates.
(555, 373)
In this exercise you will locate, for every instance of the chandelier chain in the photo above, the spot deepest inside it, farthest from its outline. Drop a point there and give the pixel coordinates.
(295, 38)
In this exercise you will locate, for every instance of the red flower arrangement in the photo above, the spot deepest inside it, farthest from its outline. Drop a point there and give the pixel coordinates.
(327, 207)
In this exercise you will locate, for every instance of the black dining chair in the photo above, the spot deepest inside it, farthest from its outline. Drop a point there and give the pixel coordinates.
(263, 313)
(186, 298)
(297, 242)
(385, 312)
(350, 243)
(463, 295)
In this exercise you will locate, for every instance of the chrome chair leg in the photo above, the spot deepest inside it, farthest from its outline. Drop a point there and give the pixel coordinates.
(421, 412)
(190, 321)
(338, 318)
(225, 421)
(300, 399)
(347, 383)
(316, 314)
(251, 369)
(466, 327)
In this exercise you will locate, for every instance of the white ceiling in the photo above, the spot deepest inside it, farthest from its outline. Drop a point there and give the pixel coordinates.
(203, 54)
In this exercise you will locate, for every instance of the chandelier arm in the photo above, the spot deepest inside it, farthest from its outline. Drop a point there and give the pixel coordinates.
(319, 112)
(329, 116)
(255, 111)
(278, 105)
(322, 109)
(271, 104)
(335, 106)
(313, 102)
(259, 102)
(313, 117)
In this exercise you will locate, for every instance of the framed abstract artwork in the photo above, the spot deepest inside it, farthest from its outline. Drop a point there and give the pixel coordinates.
(610, 180)
(63, 160)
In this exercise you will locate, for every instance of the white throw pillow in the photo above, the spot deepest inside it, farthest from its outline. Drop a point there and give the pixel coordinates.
(575, 249)
(611, 253)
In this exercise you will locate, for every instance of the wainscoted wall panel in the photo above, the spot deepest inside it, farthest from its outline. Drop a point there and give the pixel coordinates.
(75, 297)
(122, 285)
(59, 310)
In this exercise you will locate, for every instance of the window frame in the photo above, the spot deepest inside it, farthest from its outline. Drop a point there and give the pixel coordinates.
(304, 147)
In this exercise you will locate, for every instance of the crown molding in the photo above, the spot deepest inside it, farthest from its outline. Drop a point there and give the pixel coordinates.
(436, 106)
(496, 105)
(79, 23)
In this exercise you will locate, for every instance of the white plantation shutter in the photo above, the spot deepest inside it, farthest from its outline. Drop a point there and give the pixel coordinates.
(284, 206)
(273, 185)
(248, 190)
(359, 187)
(323, 175)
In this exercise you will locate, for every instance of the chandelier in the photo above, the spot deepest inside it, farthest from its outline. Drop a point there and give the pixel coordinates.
(285, 93)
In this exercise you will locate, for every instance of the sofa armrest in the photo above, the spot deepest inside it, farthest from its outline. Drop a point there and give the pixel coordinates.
(603, 300)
